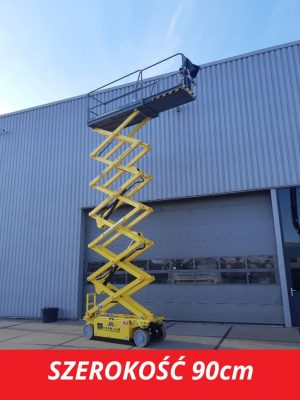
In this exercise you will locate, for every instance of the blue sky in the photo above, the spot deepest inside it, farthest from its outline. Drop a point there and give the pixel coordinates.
(54, 49)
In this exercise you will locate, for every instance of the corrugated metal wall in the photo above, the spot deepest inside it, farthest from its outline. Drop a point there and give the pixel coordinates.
(41, 178)
(242, 133)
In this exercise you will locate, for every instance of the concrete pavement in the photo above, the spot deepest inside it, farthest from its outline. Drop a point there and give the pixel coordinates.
(33, 334)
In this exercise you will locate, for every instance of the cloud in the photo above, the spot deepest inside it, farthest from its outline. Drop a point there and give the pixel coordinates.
(174, 19)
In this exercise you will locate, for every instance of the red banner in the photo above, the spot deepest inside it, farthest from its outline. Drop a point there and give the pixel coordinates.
(149, 374)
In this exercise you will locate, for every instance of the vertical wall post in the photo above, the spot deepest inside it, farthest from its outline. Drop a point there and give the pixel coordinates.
(81, 274)
(280, 258)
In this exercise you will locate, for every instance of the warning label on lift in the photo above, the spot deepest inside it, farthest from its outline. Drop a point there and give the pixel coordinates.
(109, 328)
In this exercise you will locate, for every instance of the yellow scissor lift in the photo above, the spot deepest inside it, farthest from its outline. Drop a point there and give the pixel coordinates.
(118, 119)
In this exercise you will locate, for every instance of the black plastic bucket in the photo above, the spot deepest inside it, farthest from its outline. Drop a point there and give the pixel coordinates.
(49, 314)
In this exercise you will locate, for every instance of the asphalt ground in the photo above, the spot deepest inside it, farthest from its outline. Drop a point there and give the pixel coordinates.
(34, 334)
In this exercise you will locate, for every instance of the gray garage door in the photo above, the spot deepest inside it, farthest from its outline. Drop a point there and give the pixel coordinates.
(214, 259)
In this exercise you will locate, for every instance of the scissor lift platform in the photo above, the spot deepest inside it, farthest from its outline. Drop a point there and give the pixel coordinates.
(151, 107)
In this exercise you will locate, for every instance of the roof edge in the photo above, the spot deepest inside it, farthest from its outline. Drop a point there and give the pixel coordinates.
(206, 65)
(50, 104)
(251, 54)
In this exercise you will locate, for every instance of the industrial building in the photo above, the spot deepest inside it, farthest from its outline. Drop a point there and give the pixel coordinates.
(225, 193)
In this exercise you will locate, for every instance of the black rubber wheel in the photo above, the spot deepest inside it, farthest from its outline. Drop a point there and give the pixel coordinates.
(88, 332)
(141, 338)
(157, 332)
(162, 332)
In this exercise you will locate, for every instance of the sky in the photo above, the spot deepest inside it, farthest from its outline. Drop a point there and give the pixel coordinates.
(55, 49)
